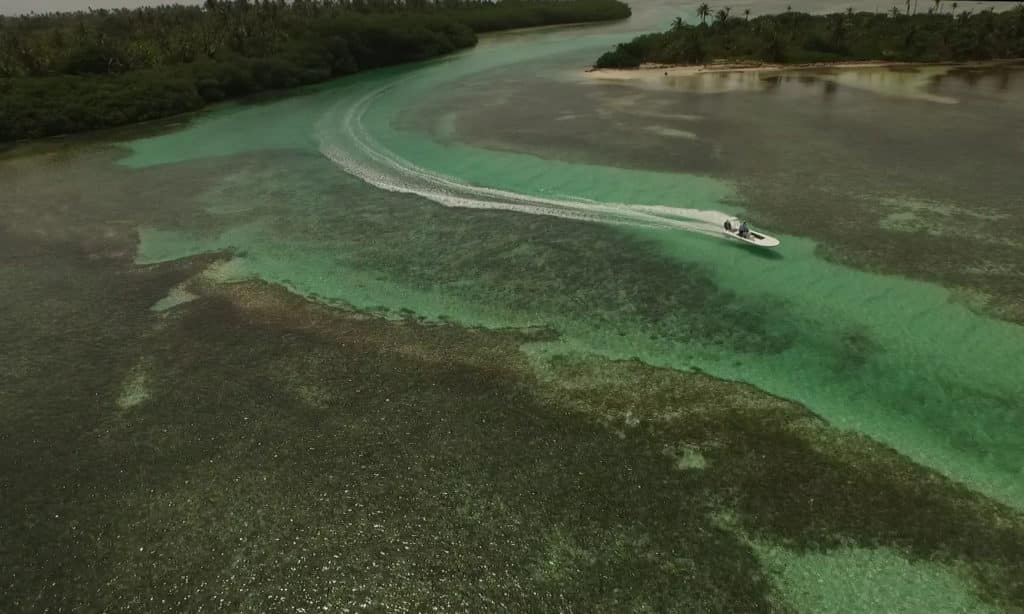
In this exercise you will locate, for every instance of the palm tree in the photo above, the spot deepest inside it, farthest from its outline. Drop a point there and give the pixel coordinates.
(677, 24)
(746, 13)
(703, 11)
(937, 9)
(722, 15)
(954, 8)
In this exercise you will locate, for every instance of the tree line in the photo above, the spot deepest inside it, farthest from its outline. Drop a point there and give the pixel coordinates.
(792, 37)
(68, 72)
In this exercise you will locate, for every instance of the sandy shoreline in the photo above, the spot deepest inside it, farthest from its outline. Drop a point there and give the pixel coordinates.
(912, 80)
(688, 70)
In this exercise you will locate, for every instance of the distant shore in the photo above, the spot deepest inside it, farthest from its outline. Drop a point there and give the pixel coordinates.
(797, 40)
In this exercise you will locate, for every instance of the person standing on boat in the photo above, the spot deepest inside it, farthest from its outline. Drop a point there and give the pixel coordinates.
(744, 230)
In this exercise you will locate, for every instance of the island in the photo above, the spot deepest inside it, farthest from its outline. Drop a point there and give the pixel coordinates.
(937, 34)
(69, 72)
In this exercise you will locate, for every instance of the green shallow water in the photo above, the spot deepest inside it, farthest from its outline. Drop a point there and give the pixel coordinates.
(175, 442)
(899, 360)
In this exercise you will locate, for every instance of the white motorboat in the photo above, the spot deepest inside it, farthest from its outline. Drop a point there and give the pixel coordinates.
(735, 229)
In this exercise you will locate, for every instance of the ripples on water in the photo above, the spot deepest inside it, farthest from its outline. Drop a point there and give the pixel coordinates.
(362, 157)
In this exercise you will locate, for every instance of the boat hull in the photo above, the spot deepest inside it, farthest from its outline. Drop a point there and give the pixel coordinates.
(753, 238)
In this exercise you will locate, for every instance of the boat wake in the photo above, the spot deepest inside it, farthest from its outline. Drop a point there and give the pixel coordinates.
(364, 157)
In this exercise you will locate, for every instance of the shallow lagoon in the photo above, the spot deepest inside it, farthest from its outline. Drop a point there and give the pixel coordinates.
(506, 364)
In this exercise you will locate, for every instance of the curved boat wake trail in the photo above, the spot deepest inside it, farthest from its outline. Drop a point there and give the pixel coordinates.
(364, 157)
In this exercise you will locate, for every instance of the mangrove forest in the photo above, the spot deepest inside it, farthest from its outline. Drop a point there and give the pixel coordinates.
(792, 37)
(69, 72)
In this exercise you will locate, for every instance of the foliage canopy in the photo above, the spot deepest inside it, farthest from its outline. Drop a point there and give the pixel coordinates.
(67, 72)
(798, 38)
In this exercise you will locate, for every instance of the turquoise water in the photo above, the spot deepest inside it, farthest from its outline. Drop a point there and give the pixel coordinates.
(466, 336)
(900, 360)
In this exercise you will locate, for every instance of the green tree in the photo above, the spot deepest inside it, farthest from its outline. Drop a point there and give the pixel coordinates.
(774, 51)
(694, 51)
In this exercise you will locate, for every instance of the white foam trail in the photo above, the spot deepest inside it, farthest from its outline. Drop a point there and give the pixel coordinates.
(371, 162)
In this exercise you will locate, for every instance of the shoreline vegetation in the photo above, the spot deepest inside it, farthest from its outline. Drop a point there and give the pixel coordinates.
(793, 39)
(63, 73)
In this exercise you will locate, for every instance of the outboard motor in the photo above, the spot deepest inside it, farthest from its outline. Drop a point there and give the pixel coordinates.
(728, 225)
